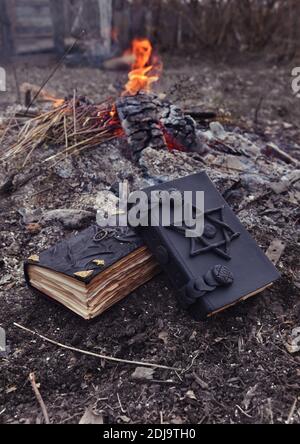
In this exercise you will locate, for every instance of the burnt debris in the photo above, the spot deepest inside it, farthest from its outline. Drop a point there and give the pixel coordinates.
(180, 127)
(151, 123)
(140, 121)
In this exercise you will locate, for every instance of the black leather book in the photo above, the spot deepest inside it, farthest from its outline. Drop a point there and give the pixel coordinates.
(217, 269)
(90, 272)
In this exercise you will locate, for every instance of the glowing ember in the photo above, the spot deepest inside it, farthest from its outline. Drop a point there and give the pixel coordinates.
(56, 103)
(141, 77)
(171, 142)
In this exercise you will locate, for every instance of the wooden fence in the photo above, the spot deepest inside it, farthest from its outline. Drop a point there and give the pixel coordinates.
(173, 25)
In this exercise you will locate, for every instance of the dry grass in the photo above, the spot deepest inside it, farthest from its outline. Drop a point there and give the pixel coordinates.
(71, 128)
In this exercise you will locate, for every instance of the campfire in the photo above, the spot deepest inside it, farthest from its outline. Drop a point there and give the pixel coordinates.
(142, 75)
(75, 124)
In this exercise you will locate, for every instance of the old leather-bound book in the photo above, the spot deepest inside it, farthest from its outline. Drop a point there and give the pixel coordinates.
(92, 271)
(215, 269)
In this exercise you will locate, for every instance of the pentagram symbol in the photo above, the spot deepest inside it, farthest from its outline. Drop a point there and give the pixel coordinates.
(214, 223)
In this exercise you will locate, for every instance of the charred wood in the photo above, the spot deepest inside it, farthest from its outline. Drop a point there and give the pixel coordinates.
(140, 120)
(180, 126)
(146, 121)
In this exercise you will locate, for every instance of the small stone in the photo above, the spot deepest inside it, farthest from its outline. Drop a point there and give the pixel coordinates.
(7, 185)
(143, 373)
(69, 218)
(217, 130)
(252, 182)
(191, 395)
(65, 170)
(33, 228)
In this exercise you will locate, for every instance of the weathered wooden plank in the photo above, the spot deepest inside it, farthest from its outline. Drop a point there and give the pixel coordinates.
(32, 46)
(34, 34)
(91, 18)
(68, 17)
(33, 12)
(6, 31)
(106, 13)
(37, 3)
(58, 25)
(121, 22)
(25, 28)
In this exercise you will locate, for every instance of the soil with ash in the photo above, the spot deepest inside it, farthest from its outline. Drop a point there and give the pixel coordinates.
(236, 367)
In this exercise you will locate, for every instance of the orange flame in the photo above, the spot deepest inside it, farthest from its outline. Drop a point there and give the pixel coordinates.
(140, 78)
(56, 103)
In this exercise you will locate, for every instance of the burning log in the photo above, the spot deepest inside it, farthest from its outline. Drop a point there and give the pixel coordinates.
(148, 122)
(76, 124)
(146, 69)
(180, 127)
(140, 122)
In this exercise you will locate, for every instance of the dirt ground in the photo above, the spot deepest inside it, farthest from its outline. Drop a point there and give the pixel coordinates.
(236, 368)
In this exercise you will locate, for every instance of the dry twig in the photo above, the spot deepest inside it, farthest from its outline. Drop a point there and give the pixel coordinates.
(71, 127)
(292, 411)
(39, 397)
(95, 355)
